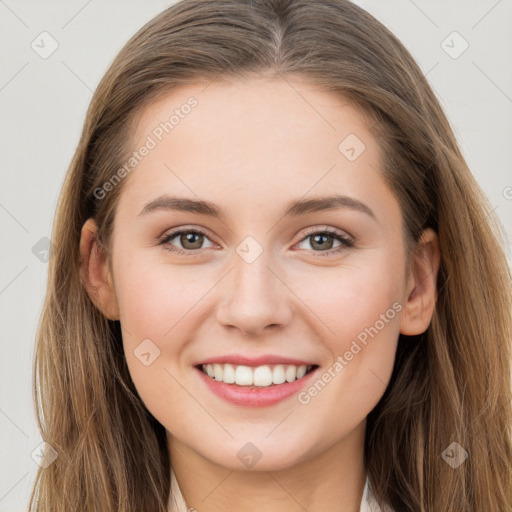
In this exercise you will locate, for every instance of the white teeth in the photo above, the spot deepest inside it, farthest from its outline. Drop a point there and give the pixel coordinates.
(217, 371)
(229, 374)
(278, 375)
(243, 376)
(261, 376)
(291, 373)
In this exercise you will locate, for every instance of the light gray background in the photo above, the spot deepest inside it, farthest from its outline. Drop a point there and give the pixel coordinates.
(43, 103)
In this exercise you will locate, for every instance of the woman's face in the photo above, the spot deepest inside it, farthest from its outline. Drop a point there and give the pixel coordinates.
(262, 279)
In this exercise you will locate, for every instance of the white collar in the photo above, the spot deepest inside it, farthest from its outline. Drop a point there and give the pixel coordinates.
(369, 503)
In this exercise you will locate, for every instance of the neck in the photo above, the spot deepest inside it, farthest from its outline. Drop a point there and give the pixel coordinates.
(331, 480)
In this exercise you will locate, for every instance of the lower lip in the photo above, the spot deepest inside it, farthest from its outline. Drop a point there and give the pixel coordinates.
(255, 397)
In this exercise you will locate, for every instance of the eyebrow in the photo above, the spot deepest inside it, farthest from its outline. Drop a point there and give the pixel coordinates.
(294, 208)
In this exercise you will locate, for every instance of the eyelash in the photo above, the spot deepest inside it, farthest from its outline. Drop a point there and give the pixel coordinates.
(345, 241)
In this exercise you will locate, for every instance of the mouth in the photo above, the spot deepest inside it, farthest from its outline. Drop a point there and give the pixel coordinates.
(264, 376)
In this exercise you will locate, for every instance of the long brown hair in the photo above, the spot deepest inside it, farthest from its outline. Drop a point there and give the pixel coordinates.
(451, 384)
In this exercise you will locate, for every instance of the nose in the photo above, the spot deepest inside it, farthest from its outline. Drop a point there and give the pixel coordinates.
(256, 297)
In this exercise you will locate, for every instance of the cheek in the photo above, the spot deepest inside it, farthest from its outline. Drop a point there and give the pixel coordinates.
(156, 305)
(352, 298)
(360, 309)
(153, 296)
(159, 305)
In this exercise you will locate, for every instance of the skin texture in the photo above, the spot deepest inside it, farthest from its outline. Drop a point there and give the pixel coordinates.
(251, 146)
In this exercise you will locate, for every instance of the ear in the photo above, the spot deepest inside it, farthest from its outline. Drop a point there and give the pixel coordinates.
(421, 288)
(95, 273)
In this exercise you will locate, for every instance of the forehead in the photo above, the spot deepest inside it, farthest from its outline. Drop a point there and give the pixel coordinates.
(275, 109)
(251, 141)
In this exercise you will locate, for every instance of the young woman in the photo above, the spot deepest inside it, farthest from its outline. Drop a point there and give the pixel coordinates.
(275, 284)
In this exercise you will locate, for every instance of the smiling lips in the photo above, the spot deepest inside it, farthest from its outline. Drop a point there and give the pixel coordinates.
(263, 371)
(259, 376)
(255, 386)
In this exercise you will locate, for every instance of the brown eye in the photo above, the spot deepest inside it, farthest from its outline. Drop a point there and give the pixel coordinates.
(189, 239)
(194, 239)
(323, 241)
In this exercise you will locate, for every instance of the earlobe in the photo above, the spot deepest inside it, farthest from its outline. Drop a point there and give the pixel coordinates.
(95, 273)
(421, 293)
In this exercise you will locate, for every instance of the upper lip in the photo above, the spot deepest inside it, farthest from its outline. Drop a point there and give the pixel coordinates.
(239, 360)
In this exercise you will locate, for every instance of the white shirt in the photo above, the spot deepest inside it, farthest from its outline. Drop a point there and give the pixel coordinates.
(369, 503)
(177, 502)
